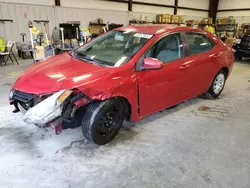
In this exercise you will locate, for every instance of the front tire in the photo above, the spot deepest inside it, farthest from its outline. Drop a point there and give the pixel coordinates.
(217, 85)
(102, 121)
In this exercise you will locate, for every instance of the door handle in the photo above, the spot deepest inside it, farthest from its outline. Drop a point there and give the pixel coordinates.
(215, 55)
(185, 65)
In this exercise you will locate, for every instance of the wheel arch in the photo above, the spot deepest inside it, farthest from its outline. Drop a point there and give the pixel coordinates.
(127, 106)
(126, 92)
(124, 101)
(226, 70)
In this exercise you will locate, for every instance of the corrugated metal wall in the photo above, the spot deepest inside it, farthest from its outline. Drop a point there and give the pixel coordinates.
(11, 31)
(87, 15)
(55, 15)
(192, 14)
(203, 4)
(240, 16)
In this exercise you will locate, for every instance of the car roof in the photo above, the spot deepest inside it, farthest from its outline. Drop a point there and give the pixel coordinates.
(156, 29)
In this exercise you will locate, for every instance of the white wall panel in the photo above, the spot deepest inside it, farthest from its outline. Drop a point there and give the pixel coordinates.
(233, 13)
(63, 15)
(152, 9)
(240, 16)
(161, 2)
(233, 4)
(34, 2)
(95, 4)
(56, 15)
(137, 16)
(11, 31)
(202, 4)
(242, 19)
(192, 15)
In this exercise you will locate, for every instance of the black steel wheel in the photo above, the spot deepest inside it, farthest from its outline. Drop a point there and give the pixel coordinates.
(108, 122)
(102, 121)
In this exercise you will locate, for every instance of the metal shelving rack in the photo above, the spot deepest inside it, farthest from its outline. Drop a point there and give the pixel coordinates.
(229, 28)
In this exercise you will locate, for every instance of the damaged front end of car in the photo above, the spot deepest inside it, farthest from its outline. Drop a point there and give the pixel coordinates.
(49, 110)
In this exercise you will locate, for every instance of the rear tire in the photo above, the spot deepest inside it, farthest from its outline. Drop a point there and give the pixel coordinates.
(102, 121)
(217, 85)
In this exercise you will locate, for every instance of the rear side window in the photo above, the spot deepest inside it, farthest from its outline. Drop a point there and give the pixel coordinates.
(198, 43)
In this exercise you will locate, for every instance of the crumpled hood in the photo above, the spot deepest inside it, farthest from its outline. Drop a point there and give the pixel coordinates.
(57, 73)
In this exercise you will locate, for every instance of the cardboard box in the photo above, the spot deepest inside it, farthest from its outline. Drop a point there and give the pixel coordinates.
(226, 21)
(181, 19)
(223, 21)
(196, 22)
(205, 21)
(168, 20)
(230, 41)
(231, 21)
(39, 52)
(174, 19)
(210, 21)
(163, 18)
(159, 18)
(167, 16)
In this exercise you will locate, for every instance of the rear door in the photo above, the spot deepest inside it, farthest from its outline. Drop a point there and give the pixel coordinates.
(202, 55)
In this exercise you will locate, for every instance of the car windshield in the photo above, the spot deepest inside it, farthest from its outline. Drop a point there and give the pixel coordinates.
(113, 49)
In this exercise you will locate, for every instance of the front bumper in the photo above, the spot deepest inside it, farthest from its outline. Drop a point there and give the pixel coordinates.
(68, 109)
(19, 98)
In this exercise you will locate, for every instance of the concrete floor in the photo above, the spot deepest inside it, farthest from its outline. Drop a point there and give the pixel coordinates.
(187, 146)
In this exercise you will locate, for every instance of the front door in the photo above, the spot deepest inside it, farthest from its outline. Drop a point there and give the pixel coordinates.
(159, 89)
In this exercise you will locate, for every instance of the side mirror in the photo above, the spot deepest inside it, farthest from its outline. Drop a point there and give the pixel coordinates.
(152, 64)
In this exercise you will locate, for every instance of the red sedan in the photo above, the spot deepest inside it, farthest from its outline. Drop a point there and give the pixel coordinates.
(127, 73)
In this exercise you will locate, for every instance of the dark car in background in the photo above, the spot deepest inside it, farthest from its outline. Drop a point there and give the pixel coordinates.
(242, 47)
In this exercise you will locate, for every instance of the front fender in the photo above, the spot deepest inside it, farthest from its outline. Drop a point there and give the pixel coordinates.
(127, 89)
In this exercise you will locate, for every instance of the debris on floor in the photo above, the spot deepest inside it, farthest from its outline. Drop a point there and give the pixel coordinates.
(204, 108)
(8, 84)
(14, 74)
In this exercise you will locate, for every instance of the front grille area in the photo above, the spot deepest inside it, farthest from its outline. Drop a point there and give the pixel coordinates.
(22, 96)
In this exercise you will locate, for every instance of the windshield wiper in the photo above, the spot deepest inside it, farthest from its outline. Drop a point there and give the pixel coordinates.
(71, 53)
(87, 58)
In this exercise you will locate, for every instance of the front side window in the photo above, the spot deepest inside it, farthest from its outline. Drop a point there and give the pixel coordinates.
(167, 49)
(114, 48)
(198, 43)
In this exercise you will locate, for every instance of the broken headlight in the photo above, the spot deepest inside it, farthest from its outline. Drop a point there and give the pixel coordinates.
(47, 110)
